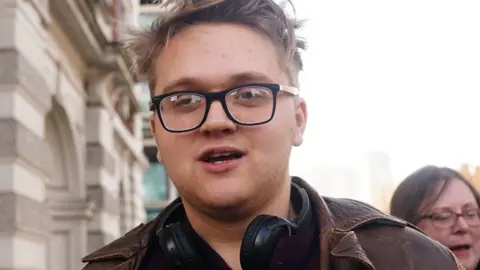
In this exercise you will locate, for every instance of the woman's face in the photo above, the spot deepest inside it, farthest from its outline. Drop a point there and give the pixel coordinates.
(454, 221)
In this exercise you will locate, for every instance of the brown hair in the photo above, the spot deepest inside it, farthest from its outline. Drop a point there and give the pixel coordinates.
(265, 16)
(421, 189)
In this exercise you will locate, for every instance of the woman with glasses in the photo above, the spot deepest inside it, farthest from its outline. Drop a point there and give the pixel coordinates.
(442, 203)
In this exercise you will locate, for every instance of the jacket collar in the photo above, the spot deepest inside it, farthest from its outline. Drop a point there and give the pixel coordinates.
(336, 224)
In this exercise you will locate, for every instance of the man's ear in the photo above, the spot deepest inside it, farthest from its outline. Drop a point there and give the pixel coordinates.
(153, 128)
(300, 120)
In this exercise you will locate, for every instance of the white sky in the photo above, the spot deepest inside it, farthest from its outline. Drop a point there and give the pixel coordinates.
(400, 76)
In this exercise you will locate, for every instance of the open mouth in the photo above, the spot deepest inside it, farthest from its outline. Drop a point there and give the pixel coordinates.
(218, 157)
(460, 248)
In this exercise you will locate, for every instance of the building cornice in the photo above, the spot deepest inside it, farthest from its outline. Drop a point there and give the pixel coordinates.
(85, 22)
(77, 27)
(125, 76)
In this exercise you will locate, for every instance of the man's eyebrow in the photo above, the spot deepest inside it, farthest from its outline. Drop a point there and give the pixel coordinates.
(184, 82)
(199, 84)
(250, 77)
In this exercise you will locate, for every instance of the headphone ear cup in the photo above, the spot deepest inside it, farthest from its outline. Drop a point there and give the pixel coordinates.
(261, 239)
(178, 249)
(248, 242)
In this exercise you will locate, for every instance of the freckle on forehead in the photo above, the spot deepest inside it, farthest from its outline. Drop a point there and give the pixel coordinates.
(224, 49)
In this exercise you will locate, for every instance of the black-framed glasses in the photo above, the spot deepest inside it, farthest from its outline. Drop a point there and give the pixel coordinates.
(247, 104)
(447, 219)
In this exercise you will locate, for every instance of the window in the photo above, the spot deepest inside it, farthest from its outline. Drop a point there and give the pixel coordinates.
(153, 213)
(156, 183)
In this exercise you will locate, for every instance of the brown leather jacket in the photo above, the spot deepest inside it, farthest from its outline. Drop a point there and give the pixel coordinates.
(353, 235)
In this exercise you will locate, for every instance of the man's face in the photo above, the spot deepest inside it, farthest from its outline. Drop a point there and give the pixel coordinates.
(212, 58)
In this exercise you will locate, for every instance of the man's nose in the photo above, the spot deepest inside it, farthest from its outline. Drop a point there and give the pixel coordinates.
(217, 120)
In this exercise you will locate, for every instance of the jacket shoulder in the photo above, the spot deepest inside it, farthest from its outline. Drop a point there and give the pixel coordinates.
(388, 240)
(348, 214)
(122, 251)
(405, 246)
(129, 251)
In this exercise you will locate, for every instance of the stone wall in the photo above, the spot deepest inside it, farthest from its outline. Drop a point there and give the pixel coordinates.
(70, 170)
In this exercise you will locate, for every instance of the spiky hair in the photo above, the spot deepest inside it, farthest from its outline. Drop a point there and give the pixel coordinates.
(265, 16)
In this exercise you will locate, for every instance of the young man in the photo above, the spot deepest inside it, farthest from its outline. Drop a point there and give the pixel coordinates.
(223, 77)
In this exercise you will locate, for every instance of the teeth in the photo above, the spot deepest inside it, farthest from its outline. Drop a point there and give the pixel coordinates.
(215, 155)
(219, 162)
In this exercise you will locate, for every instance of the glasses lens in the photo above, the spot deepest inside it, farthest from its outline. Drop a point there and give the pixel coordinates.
(472, 217)
(182, 111)
(251, 104)
(443, 219)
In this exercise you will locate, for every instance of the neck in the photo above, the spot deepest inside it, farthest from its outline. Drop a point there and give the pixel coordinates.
(225, 236)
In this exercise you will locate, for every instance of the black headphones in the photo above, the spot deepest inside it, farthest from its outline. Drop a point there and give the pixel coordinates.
(176, 237)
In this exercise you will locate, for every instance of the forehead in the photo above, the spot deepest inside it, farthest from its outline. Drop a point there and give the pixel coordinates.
(213, 54)
(456, 194)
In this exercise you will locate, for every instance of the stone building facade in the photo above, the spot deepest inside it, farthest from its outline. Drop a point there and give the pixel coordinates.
(71, 152)
(159, 190)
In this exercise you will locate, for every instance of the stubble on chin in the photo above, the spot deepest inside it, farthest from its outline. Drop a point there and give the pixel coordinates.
(236, 196)
(225, 205)
(226, 202)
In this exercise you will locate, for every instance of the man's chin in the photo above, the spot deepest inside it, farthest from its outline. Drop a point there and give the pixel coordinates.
(226, 201)
(224, 205)
(234, 183)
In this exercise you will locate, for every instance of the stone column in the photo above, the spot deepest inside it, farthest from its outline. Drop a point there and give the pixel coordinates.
(138, 208)
(66, 189)
(101, 164)
(125, 198)
(26, 85)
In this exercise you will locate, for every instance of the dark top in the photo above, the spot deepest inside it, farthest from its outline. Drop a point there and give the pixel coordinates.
(300, 251)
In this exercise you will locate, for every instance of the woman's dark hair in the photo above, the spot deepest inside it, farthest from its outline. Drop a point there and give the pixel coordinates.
(419, 189)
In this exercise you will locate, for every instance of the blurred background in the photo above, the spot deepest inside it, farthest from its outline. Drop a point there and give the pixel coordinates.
(391, 86)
